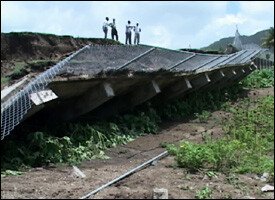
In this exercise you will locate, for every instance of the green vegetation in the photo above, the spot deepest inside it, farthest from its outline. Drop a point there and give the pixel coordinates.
(5, 80)
(23, 68)
(39, 65)
(245, 149)
(222, 43)
(50, 35)
(259, 79)
(268, 41)
(74, 142)
(249, 140)
(77, 141)
(204, 193)
(204, 116)
(10, 173)
(18, 71)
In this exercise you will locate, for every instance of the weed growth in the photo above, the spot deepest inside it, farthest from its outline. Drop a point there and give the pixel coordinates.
(204, 193)
(250, 138)
(259, 79)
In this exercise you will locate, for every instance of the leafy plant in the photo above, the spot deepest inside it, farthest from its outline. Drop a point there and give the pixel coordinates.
(18, 71)
(204, 193)
(211, 174)
(250, 138)
(268, 41)
(5, 80)
(203, 116)
(259, 79)
(10, 173)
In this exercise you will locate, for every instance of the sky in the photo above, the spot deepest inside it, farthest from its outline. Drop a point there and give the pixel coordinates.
(168, 24)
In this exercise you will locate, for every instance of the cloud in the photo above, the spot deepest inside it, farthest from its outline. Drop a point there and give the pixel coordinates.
(250, 18)
(170, 24)
(257, 8)
(231, 20)
(160, 36)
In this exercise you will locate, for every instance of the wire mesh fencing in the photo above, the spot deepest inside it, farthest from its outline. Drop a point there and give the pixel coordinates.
(16, 107)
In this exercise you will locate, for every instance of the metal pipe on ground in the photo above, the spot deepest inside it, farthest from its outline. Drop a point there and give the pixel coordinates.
(163, 154)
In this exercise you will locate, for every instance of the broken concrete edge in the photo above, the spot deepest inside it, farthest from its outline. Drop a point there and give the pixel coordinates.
(154, 74)
(187, 80)
(224, 67)
(42, 96)
(78, 172)
(144, 93)
(88, 101)
(200, 79)
(267, 188)
(160, 193)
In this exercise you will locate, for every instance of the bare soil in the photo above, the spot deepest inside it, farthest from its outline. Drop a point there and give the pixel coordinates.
(60, 182)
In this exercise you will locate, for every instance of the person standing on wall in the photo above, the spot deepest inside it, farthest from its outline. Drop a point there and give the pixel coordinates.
(105, 27)
(137, 34)
(128, 33)
(114, 31)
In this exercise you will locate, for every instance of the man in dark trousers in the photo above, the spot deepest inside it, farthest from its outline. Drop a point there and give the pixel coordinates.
(114, 31)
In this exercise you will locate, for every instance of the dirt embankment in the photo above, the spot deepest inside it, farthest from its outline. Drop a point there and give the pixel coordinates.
(26, 47)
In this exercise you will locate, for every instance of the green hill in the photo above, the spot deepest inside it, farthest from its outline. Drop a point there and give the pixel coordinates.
(222, 43)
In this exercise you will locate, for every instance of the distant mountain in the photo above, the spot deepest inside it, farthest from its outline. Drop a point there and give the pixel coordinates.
(222, 43)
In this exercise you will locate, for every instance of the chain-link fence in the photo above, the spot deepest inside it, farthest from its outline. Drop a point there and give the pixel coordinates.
(15, 108)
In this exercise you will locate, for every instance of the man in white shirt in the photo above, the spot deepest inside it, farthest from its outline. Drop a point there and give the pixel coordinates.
(137, 34)
(129, 33)
(105, 27)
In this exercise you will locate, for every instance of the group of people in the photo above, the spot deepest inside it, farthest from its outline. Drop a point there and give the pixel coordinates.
(128, 31)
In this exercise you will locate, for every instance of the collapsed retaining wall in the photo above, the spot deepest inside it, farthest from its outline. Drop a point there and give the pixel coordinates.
(119, 78)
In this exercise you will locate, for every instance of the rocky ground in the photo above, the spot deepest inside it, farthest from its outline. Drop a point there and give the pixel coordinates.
(61, 182)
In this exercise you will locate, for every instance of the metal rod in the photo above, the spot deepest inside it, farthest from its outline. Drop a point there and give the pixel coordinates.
(249, 56)
(208, 62)
(146, 52)
(182, 61)
(165, 153)
(236, 56)
(228, 57)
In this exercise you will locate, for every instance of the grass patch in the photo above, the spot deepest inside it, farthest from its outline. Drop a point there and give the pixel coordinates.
(245, 150)
(5, 80)
(203, 116)
(259, 79)
(18, 71)
(204, 193)
(250, 133)
(11, 173)
(74, 142)
(39, 65)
